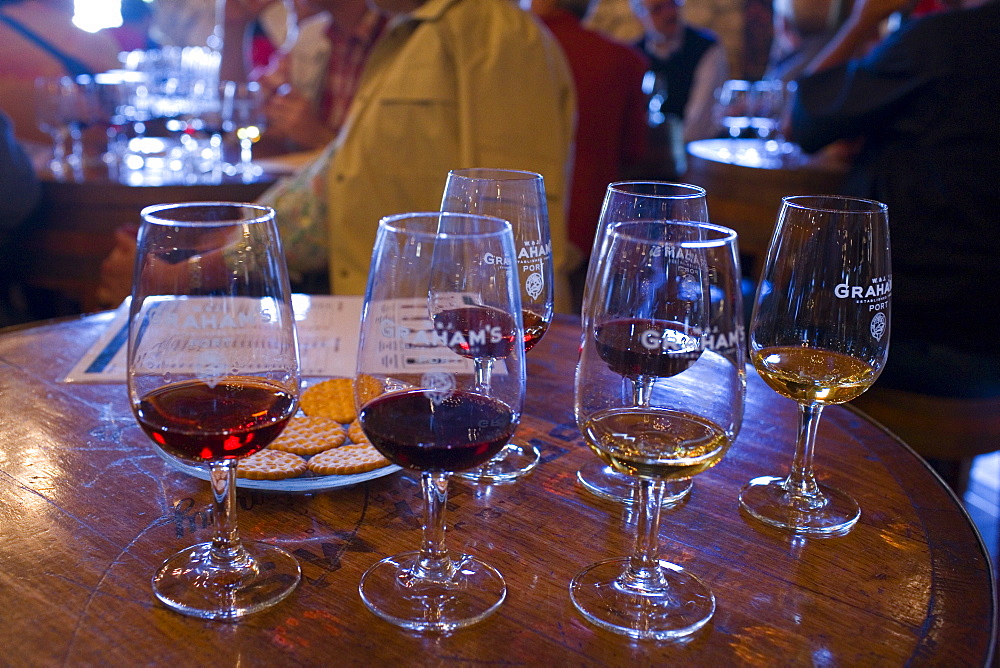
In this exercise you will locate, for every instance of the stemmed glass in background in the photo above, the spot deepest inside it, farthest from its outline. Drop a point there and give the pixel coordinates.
(56, 111)
(637, 201)
(734, 106)
(243, 114)
(819, 335)
(658, 398)
(213, 376)
(442, 292)
(771, 105)
(519, 198)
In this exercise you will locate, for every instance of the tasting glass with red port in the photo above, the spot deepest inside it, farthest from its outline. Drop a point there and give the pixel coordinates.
(819, 335)
(638, 201)
(519, 198)
(213, 376)
(659, 397)
(439, 388)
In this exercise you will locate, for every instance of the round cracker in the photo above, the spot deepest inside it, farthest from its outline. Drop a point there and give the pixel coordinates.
(310, 434)
(271, 465)
(357, 434)
(347, 460)
(333, 398)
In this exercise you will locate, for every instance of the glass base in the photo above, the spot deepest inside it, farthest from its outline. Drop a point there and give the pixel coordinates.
(601, 480)
(679, 607)
(392, 592)
(514, 461)
(833, 514)
(191, 584)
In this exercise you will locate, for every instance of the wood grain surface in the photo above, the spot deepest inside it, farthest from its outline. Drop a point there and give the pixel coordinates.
(88, 511)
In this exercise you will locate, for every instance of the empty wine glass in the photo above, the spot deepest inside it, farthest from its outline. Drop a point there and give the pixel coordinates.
(54, 103)
(734, 106)
(819, 335)
(658, 399)
(637, 201)
(442, 295)
(243, 114)
(519, 198)
(213, 377)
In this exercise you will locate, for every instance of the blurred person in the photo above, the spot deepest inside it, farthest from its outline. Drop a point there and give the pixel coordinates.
(38, 38)
(310, 85)
(20, 190)
(614, 19)
(20, 193)
(800, 31)
(611, 133)
(923, 104)
(134, 32)
(691, 60)
(450, 84)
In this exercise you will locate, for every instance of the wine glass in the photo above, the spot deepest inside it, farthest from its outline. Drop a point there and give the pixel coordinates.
(659, 395)
(637, 201)
(819, 335)
(441, 292)
(734, 105)
(771, 99)
(519, 198)
(213, 376)
(244, 115)
(54, 111)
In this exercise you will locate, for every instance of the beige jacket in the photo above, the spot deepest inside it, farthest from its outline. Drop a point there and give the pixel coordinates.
(458, 83)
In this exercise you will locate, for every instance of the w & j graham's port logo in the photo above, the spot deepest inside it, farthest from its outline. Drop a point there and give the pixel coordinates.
(878, 325)
(439, 386)
(534, 285)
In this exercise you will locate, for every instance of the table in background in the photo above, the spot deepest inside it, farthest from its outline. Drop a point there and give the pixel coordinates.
(745, 183)
(88, 511)
(61, 251)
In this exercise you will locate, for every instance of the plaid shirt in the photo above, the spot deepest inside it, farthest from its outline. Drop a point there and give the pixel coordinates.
(348, 53)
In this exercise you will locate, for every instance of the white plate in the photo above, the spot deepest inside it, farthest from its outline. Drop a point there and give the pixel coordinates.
(306, 483)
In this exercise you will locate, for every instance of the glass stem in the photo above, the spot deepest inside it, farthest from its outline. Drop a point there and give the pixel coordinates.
(642, 389)
(484, 373)
(643, 571)
(434, 563)
(227, 548)
(801, 482)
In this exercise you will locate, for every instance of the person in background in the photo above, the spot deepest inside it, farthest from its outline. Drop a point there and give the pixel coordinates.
(924, 103)
(450, 84)
(20, 193)
(611, 134)
(310, 85)
(691, 60)
(801, 31)
(38, 38)
(134, 32)
(614, 19)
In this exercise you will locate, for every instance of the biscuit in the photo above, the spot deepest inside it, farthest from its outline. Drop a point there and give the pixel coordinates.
(347, 460)
(309, 435)
(333, 398)
(368, 387)
(271, 465)
(356, 434)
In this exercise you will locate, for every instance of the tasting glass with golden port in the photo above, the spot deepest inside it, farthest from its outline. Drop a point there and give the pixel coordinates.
(657, 401)
(819, 335)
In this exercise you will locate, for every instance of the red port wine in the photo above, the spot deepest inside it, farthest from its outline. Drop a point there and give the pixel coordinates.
(636, 347)
(230, 419)
(477, 332)
(418, 430)
(535, 327)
